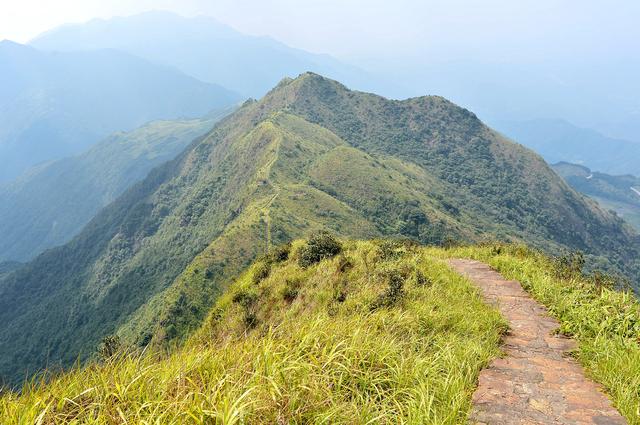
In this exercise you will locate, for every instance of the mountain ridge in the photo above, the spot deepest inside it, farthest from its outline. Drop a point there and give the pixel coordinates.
(558, 140)
(310, 155)
(205, 49)
(54, 105)
(50, 203)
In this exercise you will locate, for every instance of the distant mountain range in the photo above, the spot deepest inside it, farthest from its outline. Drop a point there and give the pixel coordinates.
(54, 105)
(51, 203)
(618, 193)
(203, 48)
(310, 155)
(558, 140)
(602, 93)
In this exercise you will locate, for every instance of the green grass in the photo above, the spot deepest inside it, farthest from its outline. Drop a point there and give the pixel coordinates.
(383, 332)
(605, 322)
(319, 348)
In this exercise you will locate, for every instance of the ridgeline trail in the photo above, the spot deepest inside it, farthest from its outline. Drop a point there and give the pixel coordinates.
(536, 382)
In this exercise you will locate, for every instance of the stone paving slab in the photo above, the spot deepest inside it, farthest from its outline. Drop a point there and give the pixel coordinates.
(536, 382)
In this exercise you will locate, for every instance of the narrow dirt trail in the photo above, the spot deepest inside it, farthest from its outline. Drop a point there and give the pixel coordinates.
(535, 382)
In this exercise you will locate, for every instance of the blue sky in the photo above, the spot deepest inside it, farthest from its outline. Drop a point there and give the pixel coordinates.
(361, 30)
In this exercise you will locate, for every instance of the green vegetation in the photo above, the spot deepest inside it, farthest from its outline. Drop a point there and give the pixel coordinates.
(321, 245)
(615, 193)
(382, 331)
(311, 155)
(604, 321)
(321, 355)
(50, 204)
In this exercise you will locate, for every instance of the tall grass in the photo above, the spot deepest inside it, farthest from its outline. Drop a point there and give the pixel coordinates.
(605, 322)
(316, 350)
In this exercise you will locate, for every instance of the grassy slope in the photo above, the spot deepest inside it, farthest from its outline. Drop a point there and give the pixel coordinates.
(315, 352)
(612, 192)
(606, 323)
(310, 155)
(308, 345)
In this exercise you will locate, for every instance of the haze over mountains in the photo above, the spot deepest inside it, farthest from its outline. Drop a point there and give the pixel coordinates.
(51, 203)
(54, 105)
(558, 140)
(599, 93)
(544, 93)
(310, 155)
(617, 193)
(203, 48)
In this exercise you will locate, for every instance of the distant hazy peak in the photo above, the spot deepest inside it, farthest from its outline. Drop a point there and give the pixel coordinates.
(152, 26)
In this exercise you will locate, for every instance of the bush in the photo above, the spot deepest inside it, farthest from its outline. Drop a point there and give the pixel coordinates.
(247, 301)
(261, 271)
(321, 245)
(280, 253)
(291, 289)
(245, 298)
(109, 347)
(569, 266)
(394, 249)
(394, 292)
(421, 279)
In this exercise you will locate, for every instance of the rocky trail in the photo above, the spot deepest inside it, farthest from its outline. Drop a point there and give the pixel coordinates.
(536, 381)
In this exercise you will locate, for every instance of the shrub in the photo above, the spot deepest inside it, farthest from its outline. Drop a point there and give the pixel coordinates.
(245, 298)
(421, 279)
(390, 250)
(291, 289)
(393, 293)
(261, 271)
(396, 248)
(109, 347)
(569, 266)
(280, 253)
(344, 264)
(250, 320)
(321, 245)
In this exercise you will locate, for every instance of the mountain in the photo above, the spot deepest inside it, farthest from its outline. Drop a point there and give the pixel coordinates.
(377, 331)
(311, 334)
(310, 155)
(53, 105)
(618, 193)
(560, 141)
(599, 92)
(203, 48)
(7, 267)
(51, 203)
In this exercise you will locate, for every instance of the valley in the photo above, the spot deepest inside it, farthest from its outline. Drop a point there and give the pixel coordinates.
(616, 193)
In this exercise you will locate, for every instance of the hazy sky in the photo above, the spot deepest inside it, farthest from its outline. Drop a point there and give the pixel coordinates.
(363, 29)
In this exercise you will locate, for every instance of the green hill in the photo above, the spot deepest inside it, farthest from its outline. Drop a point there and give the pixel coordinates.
(310, 155)
(618, 193)
(343, 332)
(51, 203)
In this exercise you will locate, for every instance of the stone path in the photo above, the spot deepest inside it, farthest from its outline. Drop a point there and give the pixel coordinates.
(535, 382)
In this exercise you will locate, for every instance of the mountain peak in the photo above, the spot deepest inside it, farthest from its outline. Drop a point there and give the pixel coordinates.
(9, 44)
